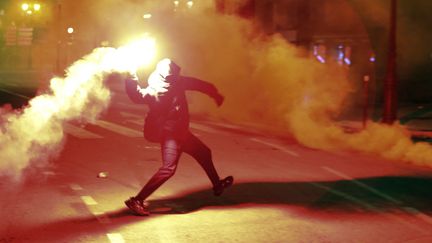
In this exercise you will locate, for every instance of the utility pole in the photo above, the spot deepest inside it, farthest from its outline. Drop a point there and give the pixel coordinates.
(390, 82)
(58, 37)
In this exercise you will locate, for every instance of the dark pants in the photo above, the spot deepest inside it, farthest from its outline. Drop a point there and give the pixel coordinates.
(171, 150)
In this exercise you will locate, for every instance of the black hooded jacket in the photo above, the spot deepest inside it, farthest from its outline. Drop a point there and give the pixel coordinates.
(168, 112)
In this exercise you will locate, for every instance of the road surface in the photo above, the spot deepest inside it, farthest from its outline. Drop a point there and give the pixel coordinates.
(283, 191)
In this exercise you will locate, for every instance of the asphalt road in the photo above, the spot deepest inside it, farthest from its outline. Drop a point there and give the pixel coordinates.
(283, 191)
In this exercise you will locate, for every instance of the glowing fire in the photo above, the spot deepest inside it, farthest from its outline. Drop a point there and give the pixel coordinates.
(132, 56)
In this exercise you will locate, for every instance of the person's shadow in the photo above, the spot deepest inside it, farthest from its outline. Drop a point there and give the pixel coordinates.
(369, 194)
(379, 193)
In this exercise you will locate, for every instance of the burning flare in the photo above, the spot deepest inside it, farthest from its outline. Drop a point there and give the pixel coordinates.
(29, 137)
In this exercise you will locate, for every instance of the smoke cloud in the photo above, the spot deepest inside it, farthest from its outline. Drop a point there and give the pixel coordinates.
(31, 136)
(265, 80)
(269, 81)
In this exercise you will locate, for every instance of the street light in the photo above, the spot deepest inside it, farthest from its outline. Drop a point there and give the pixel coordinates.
(190, 4)
(28, 8)
(25, 6)
(36, 6)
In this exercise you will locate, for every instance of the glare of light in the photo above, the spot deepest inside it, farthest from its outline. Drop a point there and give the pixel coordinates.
(341, 56)
(25, 6)
(190, 4)
(321, 59)
(36, 6)
(372, 59)
(147, 16)
(176, 3)
(347, 61)
(315, 50)
(70, 30)
(130, 57)
(29, 12)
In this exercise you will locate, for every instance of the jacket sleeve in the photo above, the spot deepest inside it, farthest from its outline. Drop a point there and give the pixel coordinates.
(201, 86)
(132, 89)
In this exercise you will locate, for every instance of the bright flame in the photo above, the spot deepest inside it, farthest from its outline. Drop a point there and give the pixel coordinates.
(134, 55)
(70, 30)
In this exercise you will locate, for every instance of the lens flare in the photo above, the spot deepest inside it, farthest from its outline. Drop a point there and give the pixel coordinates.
(33, 135)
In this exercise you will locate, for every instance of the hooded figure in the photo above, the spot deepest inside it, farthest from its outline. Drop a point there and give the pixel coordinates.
(167, 123)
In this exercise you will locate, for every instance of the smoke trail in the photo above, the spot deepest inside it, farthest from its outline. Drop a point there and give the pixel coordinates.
(29, 137)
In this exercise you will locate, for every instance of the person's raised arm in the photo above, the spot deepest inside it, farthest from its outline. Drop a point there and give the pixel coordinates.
(207, 88)
(134, 90)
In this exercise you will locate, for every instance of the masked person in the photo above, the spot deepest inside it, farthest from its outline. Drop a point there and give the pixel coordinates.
(167, 123)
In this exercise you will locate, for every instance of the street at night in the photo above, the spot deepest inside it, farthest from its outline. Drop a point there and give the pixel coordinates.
(283, 191)
(305, 119)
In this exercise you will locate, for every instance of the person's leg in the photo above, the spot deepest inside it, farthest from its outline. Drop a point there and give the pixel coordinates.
(201, 153)
(170, 149)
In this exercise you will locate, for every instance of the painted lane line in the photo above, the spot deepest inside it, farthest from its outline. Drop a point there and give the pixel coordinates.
(362, 185)
(369, 206)
(205, 128)
(79, 132)
(128, 132)
(130, 115)
(115, 238)
(16, 94)
(281, 148)
(88, 200)
(49, 173)
(138, 121)
(346, 196)
(418, 214)
(75, 187)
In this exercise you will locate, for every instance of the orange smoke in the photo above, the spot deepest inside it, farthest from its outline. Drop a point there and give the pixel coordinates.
(269, 81)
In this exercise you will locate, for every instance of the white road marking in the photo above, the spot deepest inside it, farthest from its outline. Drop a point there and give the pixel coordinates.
(369, 206)
(276, 146)
(16, 94)
(49, 173)
(75, 187)
(204, 128)
(115, 238)
(346, 196)
(79, 132)
(418, 214)
(128, 132)
(138, 122)
(362, 185)
(88, 200)
(410, 210)
(127, 114)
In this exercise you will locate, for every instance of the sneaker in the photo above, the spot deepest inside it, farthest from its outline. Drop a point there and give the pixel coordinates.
(137, 206)
(220, 187)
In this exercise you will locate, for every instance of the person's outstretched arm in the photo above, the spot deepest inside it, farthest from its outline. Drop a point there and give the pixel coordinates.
(207, 88)
(134, 90)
